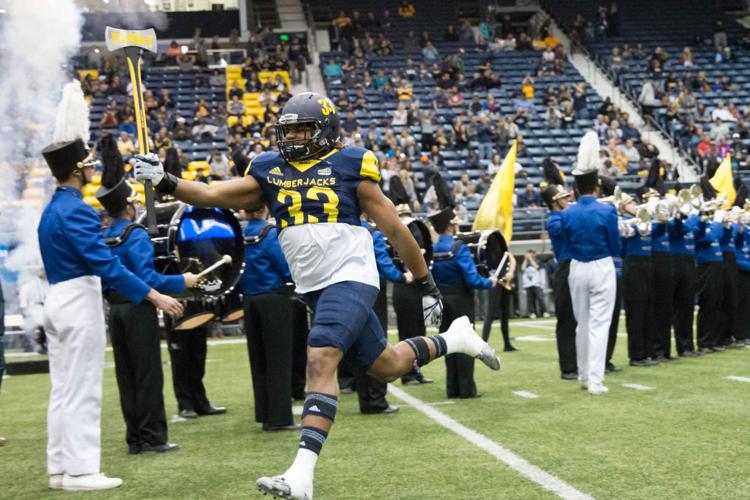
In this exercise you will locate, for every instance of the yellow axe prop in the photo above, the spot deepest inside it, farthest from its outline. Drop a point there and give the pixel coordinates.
(133, 43)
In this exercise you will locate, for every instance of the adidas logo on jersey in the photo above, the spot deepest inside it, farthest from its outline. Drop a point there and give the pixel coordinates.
(276, 171)
(325, 171)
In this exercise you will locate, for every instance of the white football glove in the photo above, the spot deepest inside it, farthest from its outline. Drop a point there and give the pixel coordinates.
(148, 168)
(432, 311)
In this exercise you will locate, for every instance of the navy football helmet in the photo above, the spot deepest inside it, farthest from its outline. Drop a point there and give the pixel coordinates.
(315, 112)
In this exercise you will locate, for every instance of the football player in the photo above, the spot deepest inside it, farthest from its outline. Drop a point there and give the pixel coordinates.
(316, 188)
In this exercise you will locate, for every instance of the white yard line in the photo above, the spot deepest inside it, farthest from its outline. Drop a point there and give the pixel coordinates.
(526, 394)
(738, 379)
(515, 462)
(638, 387)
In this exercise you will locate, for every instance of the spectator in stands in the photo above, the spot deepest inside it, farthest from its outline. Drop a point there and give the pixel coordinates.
(630, 151)
(349, 124)
(721, 113)
(235, 107)
(647, 97)
(686, 58)
(110, 118)
(203, 131)
(527, 86)
(163, 139)
(530, 198)
(464, 188)
(719, 131)
(406, 9)
(399, 115)
(552, 116)
(647, 150)
(430, 53)
(485, 137)
(455, 97)
(580, 102)
(218, 165)
(333, 70)
(466, 33)
(125, 145)
(493, 167)
(411, 42)
(451, 35)
(616, 61)
(720, 34)
(236, 90)
(460, 134)
(267, 99)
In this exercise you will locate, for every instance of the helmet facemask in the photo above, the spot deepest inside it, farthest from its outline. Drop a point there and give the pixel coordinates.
(312, 145)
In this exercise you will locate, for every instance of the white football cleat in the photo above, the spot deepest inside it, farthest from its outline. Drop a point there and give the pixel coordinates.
(283, 487)
(597, 389)
(89, 482)
(55, 481)
(464, 339)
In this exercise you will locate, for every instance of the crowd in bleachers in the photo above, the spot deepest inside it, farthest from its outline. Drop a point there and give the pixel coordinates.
(686, 66)
(450, 102)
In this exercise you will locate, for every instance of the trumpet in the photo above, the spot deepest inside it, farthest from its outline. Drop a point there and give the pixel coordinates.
(618, 200)
(641, 221)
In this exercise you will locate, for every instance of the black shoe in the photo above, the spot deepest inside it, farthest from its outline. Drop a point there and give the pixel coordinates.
(159, 448)
(385, 411)
(213, 410)
(737, 344)
(424, 380)
(689, 354)
(409, 381)
(134, 449)
(346, 390)
(719, 348)
(509, 348)
(280, 428)
(643, 362)
(705, 350)
(611, 368)
(569, 375)
(188, 414)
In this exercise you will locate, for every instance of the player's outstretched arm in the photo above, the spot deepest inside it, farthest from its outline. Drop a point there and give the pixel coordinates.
(380, 209)
(244, 193)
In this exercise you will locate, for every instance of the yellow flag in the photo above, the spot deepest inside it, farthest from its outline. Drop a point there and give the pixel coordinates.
(496, 210)
(723, 182)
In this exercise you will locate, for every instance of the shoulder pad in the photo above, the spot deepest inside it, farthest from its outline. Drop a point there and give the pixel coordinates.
(363, 161)
(263, 162)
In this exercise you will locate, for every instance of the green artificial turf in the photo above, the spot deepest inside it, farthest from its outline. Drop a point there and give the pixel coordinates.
(686, 438)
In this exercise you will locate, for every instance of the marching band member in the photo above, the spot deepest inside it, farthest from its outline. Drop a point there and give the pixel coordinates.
(134, 327)
(682, 251)
(456, 275)
(269, 324)
(557, 199)
(709, 260)
(608, 187)
(591, 230)
(636, 287)
(370, 391)
(662, 282)
(498, 301)
(742, 320)
(729, 302)
(76, 261)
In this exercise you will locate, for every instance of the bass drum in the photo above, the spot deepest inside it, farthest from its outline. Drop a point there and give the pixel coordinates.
(231, 307)
(487, 248)
(422, 235)
(191, 239)
(197, 314)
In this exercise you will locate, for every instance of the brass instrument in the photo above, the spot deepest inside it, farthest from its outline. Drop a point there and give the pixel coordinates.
(642, 222)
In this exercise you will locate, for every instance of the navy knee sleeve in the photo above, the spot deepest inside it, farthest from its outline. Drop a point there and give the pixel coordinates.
(421, 348)
(318, 404)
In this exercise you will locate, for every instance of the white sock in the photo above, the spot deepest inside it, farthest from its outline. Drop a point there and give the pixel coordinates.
(461, 338)
(304, 464)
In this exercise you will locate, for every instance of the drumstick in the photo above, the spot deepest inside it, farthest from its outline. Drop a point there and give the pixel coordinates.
(226, 259)
(500, 266)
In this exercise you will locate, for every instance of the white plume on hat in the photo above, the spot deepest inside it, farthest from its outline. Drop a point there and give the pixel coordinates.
(588, 153)
(72, 120)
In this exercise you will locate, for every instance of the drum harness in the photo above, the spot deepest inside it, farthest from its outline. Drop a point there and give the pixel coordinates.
(112, 295)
